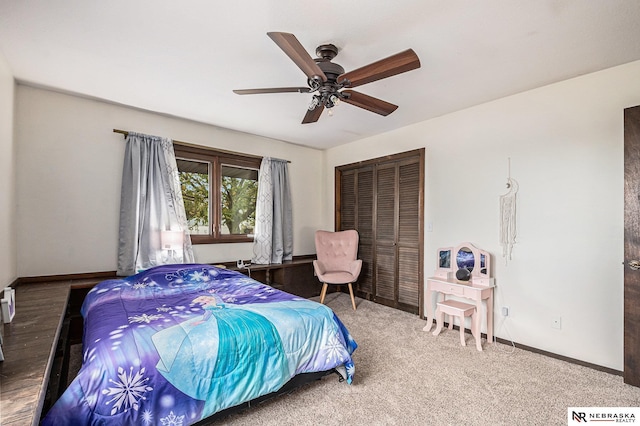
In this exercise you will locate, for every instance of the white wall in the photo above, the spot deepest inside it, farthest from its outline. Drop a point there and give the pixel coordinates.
(565, 142)
(8, 268)
(69, 167)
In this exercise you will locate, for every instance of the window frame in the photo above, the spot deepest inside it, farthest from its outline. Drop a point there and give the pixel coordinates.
(217, 158)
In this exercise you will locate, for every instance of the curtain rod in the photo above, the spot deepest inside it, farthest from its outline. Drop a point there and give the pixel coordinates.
(125, 133)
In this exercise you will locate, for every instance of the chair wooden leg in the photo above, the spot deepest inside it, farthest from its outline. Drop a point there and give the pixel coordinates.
(353, 300)
(323, 293)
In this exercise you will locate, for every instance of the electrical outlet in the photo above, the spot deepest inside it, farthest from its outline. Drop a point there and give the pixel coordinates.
(556, 322)
(505, 311)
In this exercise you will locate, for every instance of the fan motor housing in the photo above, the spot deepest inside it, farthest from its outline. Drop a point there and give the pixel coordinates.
(330, 69)
(325, 53)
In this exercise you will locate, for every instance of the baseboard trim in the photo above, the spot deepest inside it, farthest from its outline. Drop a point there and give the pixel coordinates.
(66, 277)
(546, 353)
(560, 357)
(14, 283)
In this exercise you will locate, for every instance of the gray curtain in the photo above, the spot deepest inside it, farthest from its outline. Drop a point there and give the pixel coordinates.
(273, 235)
(153, 223)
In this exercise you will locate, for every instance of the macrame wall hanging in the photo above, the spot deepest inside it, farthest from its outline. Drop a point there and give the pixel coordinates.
(508, 217)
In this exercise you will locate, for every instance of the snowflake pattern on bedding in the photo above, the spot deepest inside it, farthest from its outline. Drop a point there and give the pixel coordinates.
(144, 318)
(128, 390)
(172, 420)
(157, 344)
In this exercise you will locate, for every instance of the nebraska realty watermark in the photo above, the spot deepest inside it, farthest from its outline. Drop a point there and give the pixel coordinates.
(580, 415)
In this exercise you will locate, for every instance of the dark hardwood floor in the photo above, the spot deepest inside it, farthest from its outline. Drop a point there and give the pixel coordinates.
(33, 346)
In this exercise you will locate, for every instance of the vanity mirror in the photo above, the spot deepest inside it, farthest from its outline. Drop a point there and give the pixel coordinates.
(464, 263)
(463, 272)
(444, 260)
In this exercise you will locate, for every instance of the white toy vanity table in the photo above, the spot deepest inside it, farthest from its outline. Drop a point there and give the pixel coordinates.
(463, 272)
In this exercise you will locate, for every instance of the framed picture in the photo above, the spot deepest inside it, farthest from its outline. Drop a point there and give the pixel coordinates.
(8, 304)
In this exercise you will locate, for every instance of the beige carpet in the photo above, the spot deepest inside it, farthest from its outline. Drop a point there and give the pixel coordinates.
(405, 376)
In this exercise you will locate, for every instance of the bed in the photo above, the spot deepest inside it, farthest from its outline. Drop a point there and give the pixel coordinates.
(178, 343)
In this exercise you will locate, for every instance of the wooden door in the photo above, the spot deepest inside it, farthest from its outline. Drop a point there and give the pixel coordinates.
(632, 246)
(355, 211)
(383, 200)
(409, 235)
(365, 227)
(386, 212)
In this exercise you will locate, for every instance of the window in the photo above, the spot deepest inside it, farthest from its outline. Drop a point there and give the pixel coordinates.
(219, 191)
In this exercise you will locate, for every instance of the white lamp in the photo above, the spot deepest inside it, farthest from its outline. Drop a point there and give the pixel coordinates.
(172, 241)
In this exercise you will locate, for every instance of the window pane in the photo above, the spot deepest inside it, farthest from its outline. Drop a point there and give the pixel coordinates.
(238, 193)
(194, 180)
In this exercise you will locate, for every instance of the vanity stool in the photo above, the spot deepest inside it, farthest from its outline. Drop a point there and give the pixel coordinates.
(464, 272)
(461, 310)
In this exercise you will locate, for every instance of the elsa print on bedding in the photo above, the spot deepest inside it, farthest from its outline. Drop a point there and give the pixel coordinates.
(171, 345)
(216, 355)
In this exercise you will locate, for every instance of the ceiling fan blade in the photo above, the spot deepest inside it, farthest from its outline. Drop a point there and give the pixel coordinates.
(272, 90)
(368, 102)
(294, 50)
(387, 67)
(313, 115)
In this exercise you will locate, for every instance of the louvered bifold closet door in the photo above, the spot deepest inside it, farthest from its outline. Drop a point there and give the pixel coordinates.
(382, 199)
(356, 212)
(347, 201)
(364, 226)
(385, 238)
(409, 232)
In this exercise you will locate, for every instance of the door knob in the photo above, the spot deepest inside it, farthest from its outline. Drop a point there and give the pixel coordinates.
(634, 264)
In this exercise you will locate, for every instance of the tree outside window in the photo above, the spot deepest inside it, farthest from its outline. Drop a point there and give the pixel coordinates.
(239, 190)
(219, 192)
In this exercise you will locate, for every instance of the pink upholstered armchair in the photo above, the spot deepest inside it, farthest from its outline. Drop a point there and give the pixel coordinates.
(337, 260)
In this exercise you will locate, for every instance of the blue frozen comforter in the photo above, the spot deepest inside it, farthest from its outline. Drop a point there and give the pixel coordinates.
(178, 343)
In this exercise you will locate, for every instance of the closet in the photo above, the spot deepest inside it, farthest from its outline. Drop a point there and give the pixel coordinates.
(383, 199)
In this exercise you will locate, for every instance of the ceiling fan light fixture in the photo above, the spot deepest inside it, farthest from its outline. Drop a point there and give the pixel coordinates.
(315, 101)
(326, 79)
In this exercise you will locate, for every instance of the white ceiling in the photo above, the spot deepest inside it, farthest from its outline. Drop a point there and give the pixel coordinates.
(184, 58)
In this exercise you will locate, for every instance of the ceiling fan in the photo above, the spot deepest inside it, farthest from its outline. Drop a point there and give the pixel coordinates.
(328, 81)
